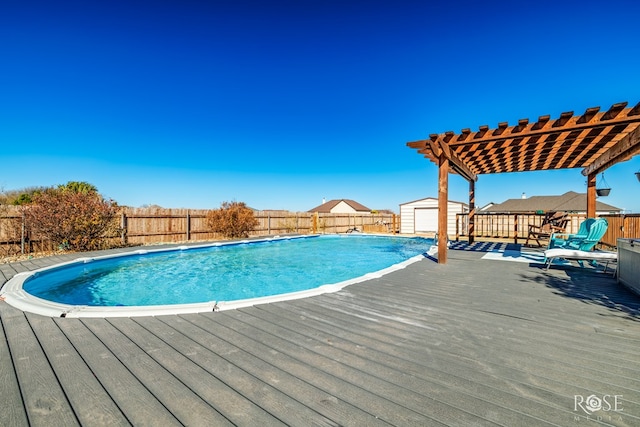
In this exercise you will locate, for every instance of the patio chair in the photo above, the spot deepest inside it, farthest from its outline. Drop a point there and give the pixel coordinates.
(553, 222)
(593, 257)
(580, 246)
(589, 234)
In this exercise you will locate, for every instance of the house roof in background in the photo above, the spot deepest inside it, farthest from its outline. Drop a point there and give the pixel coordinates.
(326, 207)
(567, 202)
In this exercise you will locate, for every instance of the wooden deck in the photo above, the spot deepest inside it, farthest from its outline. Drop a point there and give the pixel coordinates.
(472, 342)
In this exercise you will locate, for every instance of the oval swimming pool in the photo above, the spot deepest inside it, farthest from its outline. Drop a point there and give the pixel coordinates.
(210, 277)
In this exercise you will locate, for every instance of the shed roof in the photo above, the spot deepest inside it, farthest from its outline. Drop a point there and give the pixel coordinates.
(326, 207)
(432, 198)
(567, 202)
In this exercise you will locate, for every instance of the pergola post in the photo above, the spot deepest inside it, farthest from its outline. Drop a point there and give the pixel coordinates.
(443, 204)
(591, 195)
(472, 210)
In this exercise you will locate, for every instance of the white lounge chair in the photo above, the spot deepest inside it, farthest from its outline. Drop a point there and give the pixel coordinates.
(578, 255)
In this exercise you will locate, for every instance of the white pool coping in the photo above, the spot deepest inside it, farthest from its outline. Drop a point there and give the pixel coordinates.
(13, 293)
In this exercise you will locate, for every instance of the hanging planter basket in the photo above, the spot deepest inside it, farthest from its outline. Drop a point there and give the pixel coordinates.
(603, 189)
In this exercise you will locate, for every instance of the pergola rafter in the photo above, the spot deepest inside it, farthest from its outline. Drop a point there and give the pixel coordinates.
(594, 141)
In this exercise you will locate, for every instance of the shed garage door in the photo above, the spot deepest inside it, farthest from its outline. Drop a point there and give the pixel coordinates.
(426, 220)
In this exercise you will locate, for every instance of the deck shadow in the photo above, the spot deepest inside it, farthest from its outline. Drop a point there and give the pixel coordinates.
(590, 286)
(484, 246)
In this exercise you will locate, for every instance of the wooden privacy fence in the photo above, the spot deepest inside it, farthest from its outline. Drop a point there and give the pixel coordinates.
(515, 226)
(621, 226)
(151, 225)
(175, 225)
(506, 225)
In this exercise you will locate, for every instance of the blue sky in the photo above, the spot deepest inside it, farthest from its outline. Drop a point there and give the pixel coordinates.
(280, 104)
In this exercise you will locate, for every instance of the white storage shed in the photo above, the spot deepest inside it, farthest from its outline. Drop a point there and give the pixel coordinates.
(421, 216)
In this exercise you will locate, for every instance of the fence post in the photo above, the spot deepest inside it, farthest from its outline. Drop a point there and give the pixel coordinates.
(515, 229)
(22, 234)
(188, 225)
(123, 228)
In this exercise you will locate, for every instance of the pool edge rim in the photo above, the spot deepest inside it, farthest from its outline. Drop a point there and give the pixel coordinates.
(12, 291)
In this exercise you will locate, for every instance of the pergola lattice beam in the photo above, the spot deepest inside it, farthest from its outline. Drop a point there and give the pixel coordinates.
(436, 146)
(624, 149)
(567, 122)
(570, 141)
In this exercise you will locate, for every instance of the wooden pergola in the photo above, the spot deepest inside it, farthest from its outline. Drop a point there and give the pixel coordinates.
(594, 141)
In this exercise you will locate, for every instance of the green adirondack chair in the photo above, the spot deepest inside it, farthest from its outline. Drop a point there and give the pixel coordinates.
(589, 234)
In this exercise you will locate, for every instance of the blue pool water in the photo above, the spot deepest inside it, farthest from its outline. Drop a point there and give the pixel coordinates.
(223, 273)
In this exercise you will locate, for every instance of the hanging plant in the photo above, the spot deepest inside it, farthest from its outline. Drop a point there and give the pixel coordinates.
(603, 189)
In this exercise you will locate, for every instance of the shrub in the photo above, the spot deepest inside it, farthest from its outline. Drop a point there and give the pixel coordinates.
(78, 187)
(232, 220)
(72, 216)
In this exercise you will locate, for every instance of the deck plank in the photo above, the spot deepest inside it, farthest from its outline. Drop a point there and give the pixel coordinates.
(89, 400)
(511, 336)
(548, 340)
(44, 399)
(131, 395)
(249, 357)
(260, 393)
(453, 395)
(13, 410)
(234, 407)
(459, 384)
(483, 374)
(357, 388)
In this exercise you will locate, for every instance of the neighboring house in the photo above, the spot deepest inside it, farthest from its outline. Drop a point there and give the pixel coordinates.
(568, 202)
(421, 216)
(341, 206)
(485, 207)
